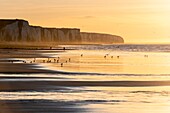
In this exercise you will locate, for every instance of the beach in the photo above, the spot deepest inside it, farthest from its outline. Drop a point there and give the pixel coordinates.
(85, 79)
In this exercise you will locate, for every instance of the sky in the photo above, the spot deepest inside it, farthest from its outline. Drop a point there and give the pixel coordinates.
(137, 21)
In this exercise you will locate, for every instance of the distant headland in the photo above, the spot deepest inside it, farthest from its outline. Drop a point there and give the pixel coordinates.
(19, 31)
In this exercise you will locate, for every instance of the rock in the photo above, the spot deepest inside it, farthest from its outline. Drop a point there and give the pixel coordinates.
(21, 31)
(98, 38)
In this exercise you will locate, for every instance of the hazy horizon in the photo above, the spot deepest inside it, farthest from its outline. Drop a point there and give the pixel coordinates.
(139, 21)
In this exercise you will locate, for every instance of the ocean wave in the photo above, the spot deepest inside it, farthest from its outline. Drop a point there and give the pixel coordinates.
(127, 47)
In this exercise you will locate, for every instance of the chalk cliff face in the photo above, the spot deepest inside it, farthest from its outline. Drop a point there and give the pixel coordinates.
(21, 31)
(98, 38)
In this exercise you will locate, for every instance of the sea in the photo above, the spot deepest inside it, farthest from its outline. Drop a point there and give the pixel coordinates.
(120, 78)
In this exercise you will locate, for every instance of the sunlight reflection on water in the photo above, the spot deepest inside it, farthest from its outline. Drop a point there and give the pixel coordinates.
(132, 65)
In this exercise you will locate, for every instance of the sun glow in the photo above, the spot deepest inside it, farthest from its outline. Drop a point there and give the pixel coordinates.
(139, 21)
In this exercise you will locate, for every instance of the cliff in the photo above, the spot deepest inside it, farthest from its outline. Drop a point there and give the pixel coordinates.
(21, 31)
(98, 38)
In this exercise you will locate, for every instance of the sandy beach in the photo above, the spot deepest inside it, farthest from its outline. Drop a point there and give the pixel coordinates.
(38, 106)
(70, 60)
(25, 84)
(82, 81)
(21, 60)
(84, 56)
(29, 99)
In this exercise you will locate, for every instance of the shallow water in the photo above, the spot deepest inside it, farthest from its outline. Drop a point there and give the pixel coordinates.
(95, 98)
(115, 62)
(125, 95)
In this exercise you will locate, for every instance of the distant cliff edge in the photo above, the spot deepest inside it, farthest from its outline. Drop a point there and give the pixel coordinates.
(21, 31)
(98, 38)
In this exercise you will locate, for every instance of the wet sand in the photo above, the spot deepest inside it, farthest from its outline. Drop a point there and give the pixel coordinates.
(12, 62)
(24, 84)
(71, 61)
(21, 60)
(88, 64)
(56, 106)
(21, 69)
(54, 84)
(39, 106)
(115, 62)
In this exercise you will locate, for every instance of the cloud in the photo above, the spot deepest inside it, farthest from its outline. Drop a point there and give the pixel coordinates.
(85, 17)
(88, 17)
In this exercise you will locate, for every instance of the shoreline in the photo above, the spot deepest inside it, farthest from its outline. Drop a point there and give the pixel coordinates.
(39, 106)
(37, 85)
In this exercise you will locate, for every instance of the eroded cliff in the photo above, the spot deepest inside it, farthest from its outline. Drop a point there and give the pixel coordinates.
(21, 31)
(98, 38)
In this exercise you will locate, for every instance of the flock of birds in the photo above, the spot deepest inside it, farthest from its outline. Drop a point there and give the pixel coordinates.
(57, 60)
(111, 56)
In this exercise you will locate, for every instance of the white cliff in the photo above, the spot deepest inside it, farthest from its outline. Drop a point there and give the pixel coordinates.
(98, 38)
(21, 31)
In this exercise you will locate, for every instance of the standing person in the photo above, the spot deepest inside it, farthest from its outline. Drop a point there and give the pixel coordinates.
(69, 59)
(61, 64)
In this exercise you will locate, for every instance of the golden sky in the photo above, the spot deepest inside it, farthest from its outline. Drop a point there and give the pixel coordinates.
(137, 21)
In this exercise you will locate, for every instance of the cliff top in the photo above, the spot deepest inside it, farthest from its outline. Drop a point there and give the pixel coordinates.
(99, 34)
(54, 28)
(12, 20)
(4, 22)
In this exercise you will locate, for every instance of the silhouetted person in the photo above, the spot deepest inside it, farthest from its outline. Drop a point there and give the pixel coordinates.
(64, 48)
(54, 60)
(105, 57)
(48, 61)
(43, 61)
(118, 57)
(111, 56)
(57, 61)
(69, 59)
(81, 55)
(31, 62)
(34, 60)
(61, 64)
